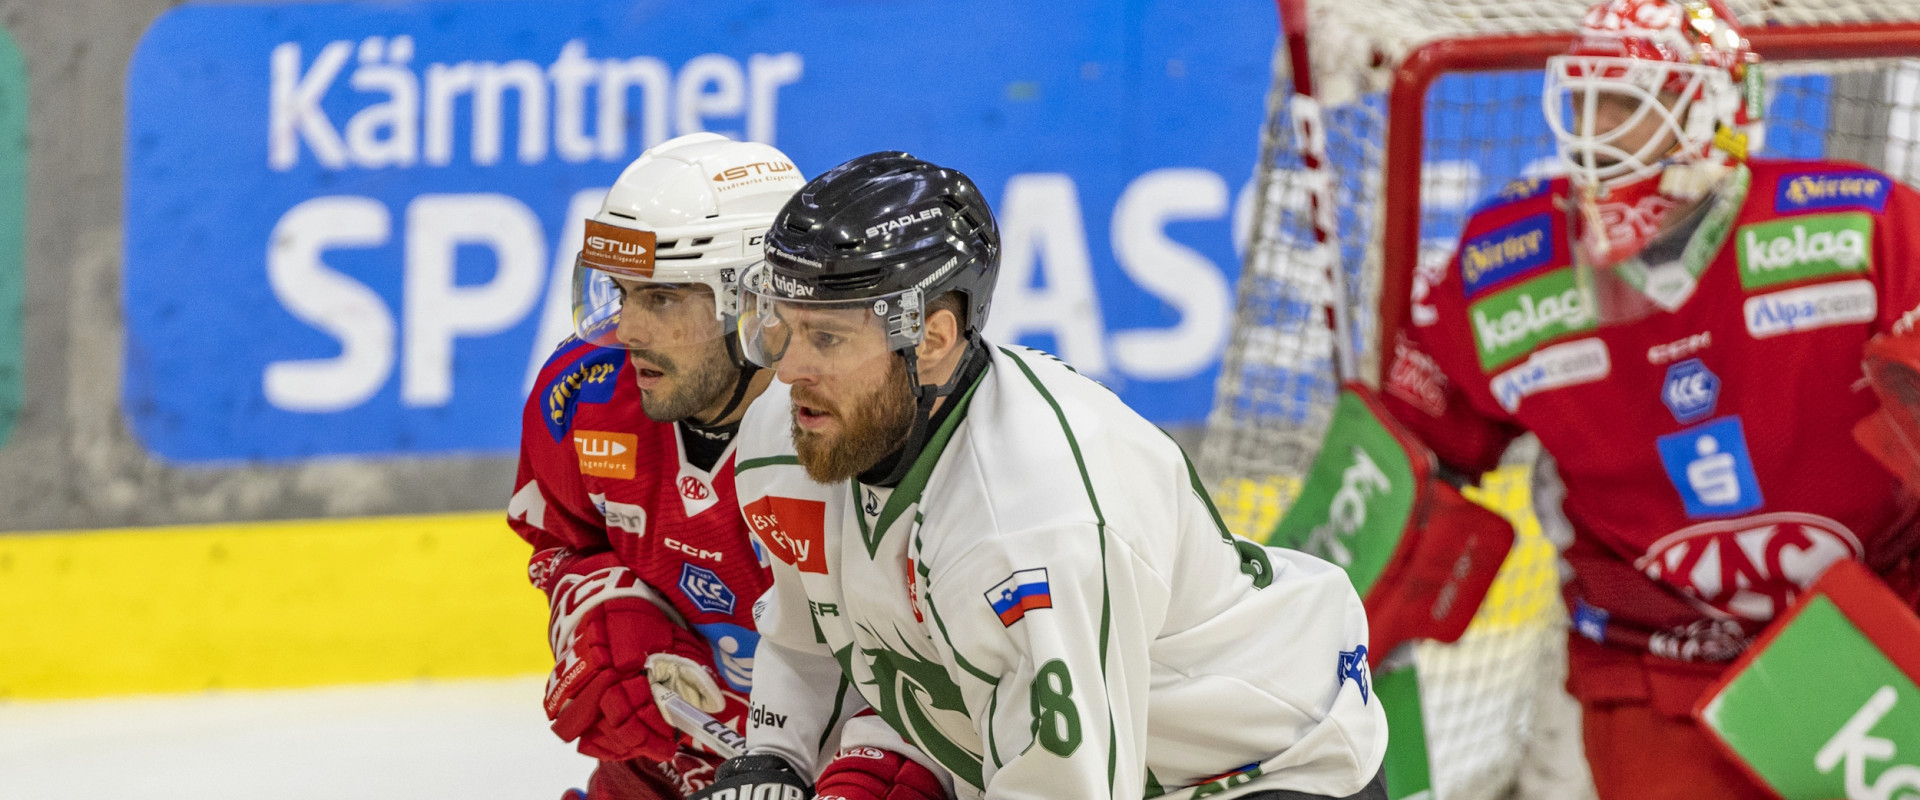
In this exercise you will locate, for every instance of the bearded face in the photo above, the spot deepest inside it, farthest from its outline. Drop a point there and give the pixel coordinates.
(681, 382)
(844, 426)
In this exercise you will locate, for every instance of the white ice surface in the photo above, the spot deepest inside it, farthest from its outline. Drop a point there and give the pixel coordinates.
(464, 740)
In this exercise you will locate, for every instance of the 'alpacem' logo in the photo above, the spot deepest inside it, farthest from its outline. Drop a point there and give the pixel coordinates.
(1809, 307)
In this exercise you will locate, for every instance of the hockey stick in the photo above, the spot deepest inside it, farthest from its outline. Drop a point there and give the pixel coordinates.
(716, 735)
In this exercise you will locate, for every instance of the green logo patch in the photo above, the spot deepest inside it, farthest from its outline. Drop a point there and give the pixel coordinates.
(1511, 323)
(1353, 508)
(1799, 248)
(1823, 713)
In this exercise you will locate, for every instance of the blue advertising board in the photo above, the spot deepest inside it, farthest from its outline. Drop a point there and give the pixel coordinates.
(349, 225)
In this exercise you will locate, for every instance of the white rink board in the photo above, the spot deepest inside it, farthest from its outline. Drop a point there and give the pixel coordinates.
(471, 740)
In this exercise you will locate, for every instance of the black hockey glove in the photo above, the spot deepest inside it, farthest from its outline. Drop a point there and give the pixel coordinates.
(754, 777)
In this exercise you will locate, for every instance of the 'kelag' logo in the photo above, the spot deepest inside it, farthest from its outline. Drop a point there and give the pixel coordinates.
(1798, 248)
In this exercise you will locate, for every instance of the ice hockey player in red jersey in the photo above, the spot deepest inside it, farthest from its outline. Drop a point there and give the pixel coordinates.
(1683, 328)
(625, 488)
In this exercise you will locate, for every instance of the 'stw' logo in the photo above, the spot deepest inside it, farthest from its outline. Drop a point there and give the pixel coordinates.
(606, 454)
(757, 169)
(623, 250)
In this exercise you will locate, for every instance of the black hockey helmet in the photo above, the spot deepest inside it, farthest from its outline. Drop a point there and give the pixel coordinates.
(852, 261)
(886, 225)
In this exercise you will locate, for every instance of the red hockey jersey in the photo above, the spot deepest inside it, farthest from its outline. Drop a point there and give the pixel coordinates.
(596, 475)
(1706, 449)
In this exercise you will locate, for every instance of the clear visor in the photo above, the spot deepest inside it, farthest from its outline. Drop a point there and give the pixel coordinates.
(1610, 120)
(822, 337)
(632, 313)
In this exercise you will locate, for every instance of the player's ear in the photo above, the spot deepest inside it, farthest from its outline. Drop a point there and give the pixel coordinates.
(943, 338)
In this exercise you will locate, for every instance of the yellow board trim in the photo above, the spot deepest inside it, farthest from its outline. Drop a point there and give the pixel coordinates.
(266, 605)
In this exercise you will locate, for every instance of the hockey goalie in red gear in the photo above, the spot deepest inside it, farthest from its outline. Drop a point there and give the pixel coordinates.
(625, 488)
(1683, 328)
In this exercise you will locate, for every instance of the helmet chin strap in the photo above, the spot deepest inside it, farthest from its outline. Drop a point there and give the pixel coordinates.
(742, 381)
(924, 397)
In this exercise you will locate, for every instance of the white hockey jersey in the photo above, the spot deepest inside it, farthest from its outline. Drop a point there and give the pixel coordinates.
(1047, 606)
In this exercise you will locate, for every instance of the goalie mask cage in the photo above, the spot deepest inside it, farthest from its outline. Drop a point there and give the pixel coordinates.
(1387, 122)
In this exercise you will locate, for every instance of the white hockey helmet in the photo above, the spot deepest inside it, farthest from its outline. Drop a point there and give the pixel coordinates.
(689, 212)
(1692, 52)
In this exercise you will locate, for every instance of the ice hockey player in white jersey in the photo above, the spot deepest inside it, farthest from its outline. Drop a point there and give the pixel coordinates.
(1019, 575)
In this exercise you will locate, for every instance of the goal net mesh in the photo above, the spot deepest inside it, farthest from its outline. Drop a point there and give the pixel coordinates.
(1480, 131)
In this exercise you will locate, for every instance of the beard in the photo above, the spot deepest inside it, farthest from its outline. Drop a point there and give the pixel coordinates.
(871, 427)
(694, 383)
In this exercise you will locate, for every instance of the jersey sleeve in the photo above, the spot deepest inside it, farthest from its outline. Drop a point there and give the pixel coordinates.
(1051, 642)
(1422, 389)
(1896, 256)
(550, 508)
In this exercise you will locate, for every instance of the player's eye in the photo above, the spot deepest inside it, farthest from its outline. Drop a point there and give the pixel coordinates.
(656, 299)
(821, 340)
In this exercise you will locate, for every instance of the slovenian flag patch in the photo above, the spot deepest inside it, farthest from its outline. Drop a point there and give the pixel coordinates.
(1021, 592)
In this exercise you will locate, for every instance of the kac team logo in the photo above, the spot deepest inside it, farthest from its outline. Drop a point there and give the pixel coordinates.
(1691, 391)
(1750, 568)
(706, 590)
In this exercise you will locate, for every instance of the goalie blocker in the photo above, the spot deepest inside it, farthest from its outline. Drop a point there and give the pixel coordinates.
(1824, 704)
(1420, 554)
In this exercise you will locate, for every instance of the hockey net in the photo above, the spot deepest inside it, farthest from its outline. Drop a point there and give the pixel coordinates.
(1422, 109)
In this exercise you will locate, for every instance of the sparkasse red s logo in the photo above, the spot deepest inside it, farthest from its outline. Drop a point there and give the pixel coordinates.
(1750, 568)
(692, 489)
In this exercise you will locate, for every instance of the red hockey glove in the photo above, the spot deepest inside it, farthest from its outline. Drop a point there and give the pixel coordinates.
(603, 626)
(870, 773)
